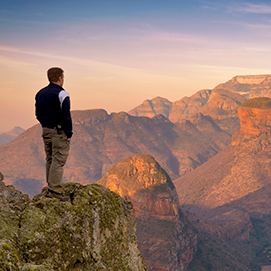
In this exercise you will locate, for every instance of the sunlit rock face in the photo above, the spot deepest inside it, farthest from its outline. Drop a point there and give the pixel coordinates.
(97, 231)
(255, 116)
(166, 239)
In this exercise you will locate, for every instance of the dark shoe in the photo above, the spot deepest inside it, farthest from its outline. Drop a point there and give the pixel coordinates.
(53, 194)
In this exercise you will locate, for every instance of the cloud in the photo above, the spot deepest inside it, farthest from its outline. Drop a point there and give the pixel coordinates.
(252, 8)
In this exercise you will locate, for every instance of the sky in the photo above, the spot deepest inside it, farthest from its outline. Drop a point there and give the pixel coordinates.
(118, 53)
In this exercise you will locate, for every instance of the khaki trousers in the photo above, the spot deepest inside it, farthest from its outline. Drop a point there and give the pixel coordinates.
(57, 150)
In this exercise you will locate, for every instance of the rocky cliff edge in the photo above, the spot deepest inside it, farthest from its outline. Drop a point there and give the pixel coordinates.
(94, 232)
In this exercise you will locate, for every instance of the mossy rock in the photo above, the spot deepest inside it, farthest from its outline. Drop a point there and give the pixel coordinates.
(260, 102)
(34, 267)
(94, 232)
(12, 202)
(9, 257)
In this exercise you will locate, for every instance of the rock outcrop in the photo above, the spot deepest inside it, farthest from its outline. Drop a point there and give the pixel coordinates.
(255, 116)
(97, 231)
(166, 239)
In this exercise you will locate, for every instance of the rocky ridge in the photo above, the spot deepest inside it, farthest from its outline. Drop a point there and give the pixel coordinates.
(166, 239)
(220, 105)
(174, 111)
(249, 86)
(96, 232)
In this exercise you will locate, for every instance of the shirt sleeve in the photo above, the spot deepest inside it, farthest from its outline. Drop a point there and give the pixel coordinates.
(37, 111)
(64, 99)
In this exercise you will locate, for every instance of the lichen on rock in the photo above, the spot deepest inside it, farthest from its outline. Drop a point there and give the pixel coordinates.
(94, 232)
(12, 202)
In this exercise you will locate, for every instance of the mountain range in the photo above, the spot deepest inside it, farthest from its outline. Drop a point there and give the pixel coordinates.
(101, 140)
(248, 86)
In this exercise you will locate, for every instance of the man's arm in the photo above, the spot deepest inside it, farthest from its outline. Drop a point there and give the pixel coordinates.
(37, 111)
(66, 114)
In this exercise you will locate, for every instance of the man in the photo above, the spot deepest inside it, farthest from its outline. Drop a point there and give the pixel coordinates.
(53, 112)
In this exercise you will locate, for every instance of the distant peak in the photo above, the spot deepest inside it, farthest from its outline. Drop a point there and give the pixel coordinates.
(158, 98)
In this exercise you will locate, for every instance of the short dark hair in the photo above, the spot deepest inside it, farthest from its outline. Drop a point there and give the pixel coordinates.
(54, 73)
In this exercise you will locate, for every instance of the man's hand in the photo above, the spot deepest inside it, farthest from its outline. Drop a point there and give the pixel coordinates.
(69, 139)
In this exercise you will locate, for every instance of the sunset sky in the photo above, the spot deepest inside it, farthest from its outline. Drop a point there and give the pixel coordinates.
(118, 53)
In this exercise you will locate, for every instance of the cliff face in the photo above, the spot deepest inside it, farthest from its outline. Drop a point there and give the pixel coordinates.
(166, 240)
(255, 116)
(95, 232)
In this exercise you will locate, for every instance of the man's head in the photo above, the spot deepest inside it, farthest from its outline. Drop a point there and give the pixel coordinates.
(55, 75)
